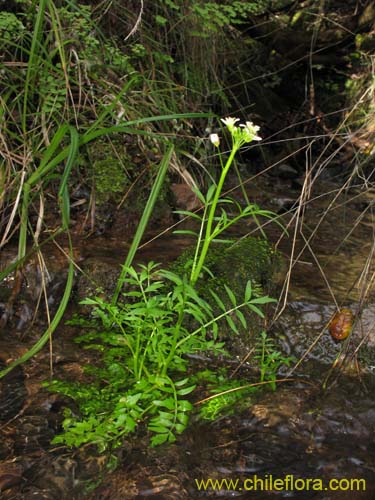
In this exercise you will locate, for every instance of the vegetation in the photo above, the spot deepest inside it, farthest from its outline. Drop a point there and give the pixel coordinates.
(145, 339)
(231, 395)
(38, 110)
(99, 114)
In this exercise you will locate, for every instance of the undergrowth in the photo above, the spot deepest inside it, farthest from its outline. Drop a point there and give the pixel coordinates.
(145, 349)
(145, 335)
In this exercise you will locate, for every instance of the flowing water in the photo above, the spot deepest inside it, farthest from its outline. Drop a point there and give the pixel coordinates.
(300, 431)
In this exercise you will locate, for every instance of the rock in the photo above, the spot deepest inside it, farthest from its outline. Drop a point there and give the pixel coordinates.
(185, 197)
(99, 278)
(234, 265)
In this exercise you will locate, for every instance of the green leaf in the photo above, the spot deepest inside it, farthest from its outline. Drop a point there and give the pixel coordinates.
(231, 295)
(161, 381)
(179, 428)
(166, 403)
(215, 330)
(184, 405)
(158, 428)
(199, 194)
(208, 271)
(154, 286)
(195, 312)
(227, 200)
(161, 423)
(248, 291)
(221, 241)
(241, 317)
(187, 213)
(185, 231)
(159, 439)
(186, 390)
(162, 21)
(255, 309)
(131, 271)
(130, 423)
(89, 302)
(210, 194)
(183, 418)
(231, 324)
(169, 275)
(218, 300)
(179, 383)
(263, 300)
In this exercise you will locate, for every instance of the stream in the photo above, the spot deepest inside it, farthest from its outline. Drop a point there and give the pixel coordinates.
(301, 430)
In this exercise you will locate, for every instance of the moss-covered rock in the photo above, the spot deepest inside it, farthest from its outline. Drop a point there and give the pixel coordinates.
(230, 265)
(99, 278)
(234, 265)
(110, 169)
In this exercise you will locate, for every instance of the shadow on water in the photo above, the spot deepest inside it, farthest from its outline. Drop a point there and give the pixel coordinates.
(299, 431)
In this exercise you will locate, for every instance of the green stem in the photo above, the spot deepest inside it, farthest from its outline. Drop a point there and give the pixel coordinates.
(199, 241)
(176, 336)
(209, 323)
(208, 234)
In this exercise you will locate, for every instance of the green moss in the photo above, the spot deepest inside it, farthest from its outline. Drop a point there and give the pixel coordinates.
(109, 178)
(248, 258)
(110, 169)
(233, 265)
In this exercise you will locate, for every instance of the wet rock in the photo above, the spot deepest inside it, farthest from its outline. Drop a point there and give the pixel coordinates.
(185, 198)
(99, 278)
(233, 266)
(284, 171)
(10, 475)
(12, 393)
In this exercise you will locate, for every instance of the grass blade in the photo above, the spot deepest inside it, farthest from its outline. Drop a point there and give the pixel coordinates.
(144, 219)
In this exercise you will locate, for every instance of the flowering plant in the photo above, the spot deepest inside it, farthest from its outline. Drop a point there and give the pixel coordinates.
(213, 225)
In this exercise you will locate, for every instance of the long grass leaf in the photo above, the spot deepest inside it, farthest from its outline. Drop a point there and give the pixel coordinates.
(43, 169)
(63, 194)
(31, 67)
(54, 323)
(64, 207)
(149, 119)
(144, 219)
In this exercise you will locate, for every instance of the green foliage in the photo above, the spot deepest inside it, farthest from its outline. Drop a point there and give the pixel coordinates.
(233, 395)
(109, 168)
(11, 28)
(144, 347)
(145, 339)
(270, 359)
(51, 159)
(49, 86)
(72, 74)
(53, 91)
(230, 397)
(213, 225)
(214, 15)
(77, 27)
(109, 179)
(227, 265)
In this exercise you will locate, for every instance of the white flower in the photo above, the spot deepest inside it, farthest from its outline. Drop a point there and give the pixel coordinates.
(214, 138)
(250, 132)
(230, 123)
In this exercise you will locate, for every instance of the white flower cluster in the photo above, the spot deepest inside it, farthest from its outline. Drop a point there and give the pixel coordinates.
(241, 134)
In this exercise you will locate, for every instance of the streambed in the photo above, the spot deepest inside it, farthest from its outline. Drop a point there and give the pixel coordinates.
(300, 429)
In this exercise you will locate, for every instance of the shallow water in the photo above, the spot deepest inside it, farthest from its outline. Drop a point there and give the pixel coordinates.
(300, 430)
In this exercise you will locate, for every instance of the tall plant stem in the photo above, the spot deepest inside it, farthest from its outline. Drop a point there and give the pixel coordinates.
(211, 215)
